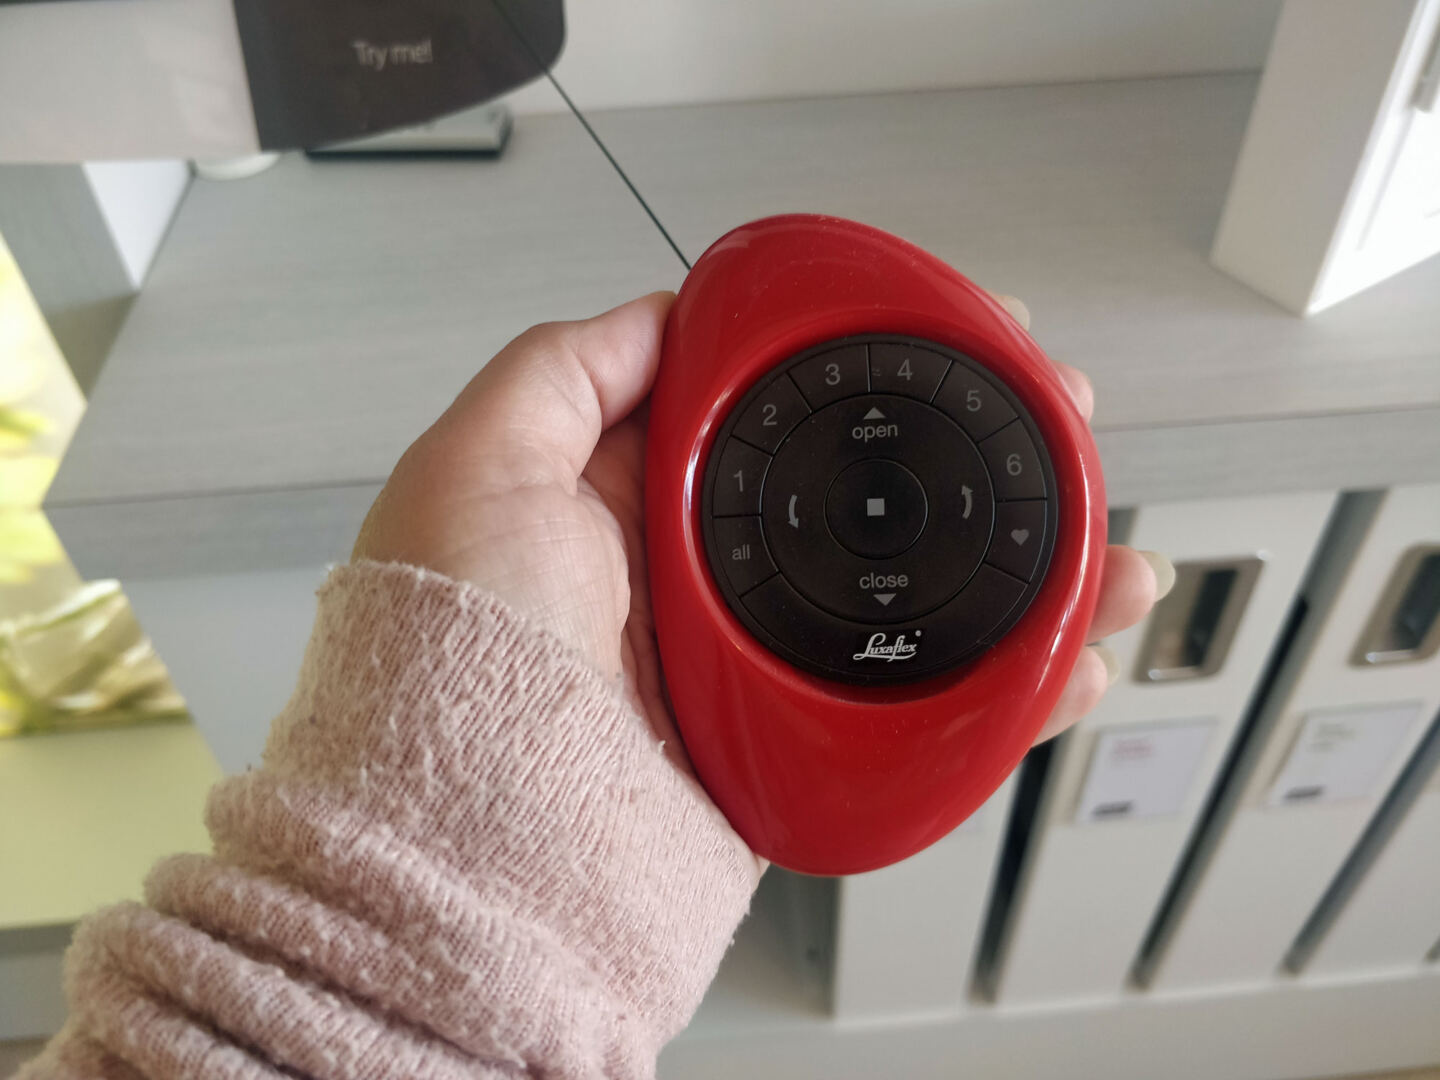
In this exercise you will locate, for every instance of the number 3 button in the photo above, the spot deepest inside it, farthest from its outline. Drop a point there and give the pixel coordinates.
(769, 418)
(839, 373)
(1013, 463)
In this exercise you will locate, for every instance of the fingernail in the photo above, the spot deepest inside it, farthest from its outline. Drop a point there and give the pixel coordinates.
(1019, 310)
(1111, 662)
(1164, 571)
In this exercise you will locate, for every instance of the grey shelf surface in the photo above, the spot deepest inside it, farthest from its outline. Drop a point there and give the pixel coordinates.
(299, 329)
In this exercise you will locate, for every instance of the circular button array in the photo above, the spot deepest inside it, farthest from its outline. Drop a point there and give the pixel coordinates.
(878, 509)
(938, 460)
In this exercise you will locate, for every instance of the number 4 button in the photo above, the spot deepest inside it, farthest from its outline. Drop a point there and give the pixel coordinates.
(906, 369)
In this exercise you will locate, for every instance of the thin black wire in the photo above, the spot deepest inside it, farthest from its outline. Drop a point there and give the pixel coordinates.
(593, 136)
(619, 171)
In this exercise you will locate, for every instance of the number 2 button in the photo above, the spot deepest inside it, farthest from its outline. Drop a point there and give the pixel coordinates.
(769, 418)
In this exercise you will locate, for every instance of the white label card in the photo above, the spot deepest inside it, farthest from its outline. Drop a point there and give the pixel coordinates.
(1143, 771)
(1343, 754)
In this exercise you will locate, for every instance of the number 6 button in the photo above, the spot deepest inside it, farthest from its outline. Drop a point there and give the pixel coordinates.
(1013, 463)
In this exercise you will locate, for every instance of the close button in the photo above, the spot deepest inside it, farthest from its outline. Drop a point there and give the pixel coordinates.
(876, 508)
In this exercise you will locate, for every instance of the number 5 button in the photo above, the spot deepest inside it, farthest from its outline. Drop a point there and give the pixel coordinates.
(1013, 463)
(973, 403)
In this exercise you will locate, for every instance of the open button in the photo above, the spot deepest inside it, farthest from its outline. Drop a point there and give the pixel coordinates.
(876, 508)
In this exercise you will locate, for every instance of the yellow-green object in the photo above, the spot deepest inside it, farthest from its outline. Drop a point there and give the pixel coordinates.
(84, 663)
(83, 815)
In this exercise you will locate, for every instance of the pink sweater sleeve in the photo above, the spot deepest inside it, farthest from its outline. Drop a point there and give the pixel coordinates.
(465, 855)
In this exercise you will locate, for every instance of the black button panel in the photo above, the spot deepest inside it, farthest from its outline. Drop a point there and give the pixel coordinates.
(878, 509)
(892, 580)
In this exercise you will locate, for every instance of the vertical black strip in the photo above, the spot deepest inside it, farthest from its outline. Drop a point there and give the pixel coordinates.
(1020, 832)
(1407, 788)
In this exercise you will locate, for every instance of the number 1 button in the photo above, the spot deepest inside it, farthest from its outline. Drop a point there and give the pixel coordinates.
(738, 480)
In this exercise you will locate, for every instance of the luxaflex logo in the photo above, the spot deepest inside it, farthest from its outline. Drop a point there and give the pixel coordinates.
(879, 647)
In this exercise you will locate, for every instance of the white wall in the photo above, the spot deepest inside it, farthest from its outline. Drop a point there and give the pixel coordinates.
(195, 102)
(656, 52)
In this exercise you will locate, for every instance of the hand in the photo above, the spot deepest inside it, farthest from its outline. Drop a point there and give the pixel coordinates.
(530, 485)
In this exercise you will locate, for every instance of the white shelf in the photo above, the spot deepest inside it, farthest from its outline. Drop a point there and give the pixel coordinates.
(300, 328)
(760, 1021)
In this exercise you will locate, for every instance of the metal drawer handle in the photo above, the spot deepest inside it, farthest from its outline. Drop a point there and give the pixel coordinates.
(1192, 629)
(1405, 625)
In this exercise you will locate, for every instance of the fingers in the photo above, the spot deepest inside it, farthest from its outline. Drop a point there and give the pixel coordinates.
(1133, 581)
(1131, 584)
(1083, 691)
(534, 412)
(1129, 587)
(1076, 381)
(1014, 307)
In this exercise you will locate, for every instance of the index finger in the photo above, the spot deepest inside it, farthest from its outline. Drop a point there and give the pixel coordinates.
(1076, 381)
(535, 412)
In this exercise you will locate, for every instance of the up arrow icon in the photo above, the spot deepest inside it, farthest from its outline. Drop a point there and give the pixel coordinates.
(874, 414)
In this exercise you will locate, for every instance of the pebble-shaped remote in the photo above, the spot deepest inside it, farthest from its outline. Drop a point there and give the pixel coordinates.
(875, 526)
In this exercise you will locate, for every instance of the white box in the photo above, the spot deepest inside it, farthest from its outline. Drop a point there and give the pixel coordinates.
(1391, 921)
(1338, 182)
(1269, 865)
(1090, 887)
(905, 936)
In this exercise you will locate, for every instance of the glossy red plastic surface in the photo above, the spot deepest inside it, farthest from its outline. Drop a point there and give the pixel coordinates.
(820, 776)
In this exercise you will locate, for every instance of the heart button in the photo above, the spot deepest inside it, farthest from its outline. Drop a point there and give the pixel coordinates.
(1020, 535)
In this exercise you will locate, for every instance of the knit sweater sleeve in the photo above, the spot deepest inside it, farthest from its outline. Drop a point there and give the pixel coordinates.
(465, 855)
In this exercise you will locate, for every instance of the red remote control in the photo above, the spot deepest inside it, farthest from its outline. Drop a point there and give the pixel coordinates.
(875, 526)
